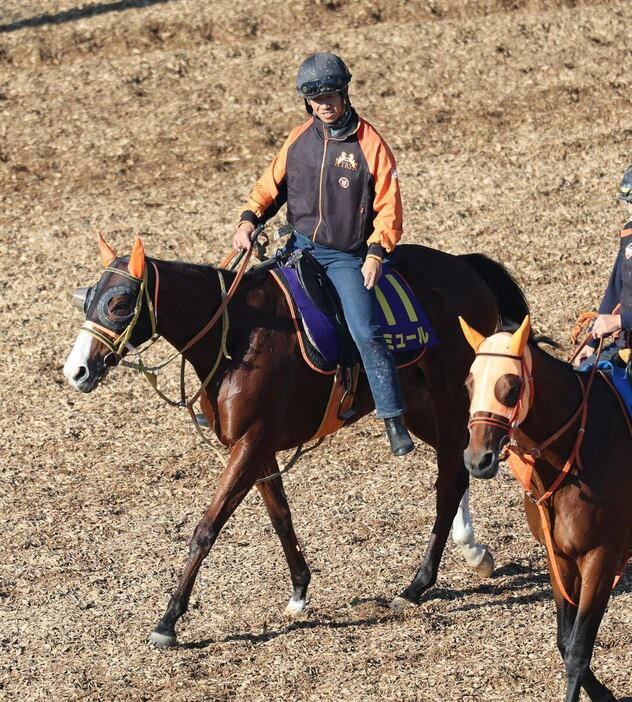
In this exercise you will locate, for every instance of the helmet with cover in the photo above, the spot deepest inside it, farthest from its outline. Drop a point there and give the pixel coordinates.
(321, 74)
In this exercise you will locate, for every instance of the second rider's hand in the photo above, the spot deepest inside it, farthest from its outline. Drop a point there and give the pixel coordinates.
(585, 353)
(606, 324)
(241, 240)
(372, 272)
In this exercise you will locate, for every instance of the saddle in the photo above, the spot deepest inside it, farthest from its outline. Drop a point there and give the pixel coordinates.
(323, 334)
(620, 378)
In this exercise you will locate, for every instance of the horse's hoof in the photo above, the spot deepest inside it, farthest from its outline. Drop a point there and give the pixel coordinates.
(485, 569)
(295, 607)
(162, 640)
(399, 604)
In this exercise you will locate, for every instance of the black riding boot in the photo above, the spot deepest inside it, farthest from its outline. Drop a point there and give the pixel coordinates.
(398, 435)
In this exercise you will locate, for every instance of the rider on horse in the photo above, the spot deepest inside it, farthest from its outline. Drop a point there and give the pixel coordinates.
(615, 310)
(339, 179)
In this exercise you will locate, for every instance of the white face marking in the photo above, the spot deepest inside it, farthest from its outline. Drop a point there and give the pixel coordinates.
(78, 360)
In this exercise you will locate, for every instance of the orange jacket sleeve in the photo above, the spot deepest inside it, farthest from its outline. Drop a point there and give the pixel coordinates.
(387, 201)
(387, 225)
(270, 192)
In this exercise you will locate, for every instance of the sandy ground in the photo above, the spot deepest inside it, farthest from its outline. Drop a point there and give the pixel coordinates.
(512, 124)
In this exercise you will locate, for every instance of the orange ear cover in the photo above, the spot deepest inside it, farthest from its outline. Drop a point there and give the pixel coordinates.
(474, 338)
(520, 337)
(107, 252)
(136, 265)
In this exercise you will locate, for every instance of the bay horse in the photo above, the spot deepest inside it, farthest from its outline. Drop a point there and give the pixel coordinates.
(265, 398)
(569, 443)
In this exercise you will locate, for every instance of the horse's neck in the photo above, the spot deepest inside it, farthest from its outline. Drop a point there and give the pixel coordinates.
(556, 397)
(187, 297)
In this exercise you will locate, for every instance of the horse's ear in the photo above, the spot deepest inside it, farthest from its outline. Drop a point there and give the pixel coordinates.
(520, 337)
(108, 254)
(474, 338)
(136, 265)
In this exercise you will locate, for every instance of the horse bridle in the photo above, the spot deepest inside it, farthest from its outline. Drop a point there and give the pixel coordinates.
(509, 423)
(114, 340)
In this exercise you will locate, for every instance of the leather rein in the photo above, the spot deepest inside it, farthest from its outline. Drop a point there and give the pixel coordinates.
(117, 343)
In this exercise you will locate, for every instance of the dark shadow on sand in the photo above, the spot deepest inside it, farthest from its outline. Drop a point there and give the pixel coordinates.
(265, 636)
(77, 13)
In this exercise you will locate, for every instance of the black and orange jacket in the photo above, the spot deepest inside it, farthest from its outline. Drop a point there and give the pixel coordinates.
(619, 289)
(341, 191)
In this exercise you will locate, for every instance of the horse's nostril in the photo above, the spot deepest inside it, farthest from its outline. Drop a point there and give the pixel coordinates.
(81, 373)
(486, 460)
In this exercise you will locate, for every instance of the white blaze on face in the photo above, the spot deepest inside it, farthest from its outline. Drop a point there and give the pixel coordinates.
(76, 366)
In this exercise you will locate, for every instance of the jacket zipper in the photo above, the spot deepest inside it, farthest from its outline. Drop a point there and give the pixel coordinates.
(320, 187)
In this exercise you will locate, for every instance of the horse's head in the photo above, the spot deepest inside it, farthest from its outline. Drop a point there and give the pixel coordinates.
(500, 389)
(119, 317)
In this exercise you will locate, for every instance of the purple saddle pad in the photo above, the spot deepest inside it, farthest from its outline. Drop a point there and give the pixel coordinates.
(404, 322)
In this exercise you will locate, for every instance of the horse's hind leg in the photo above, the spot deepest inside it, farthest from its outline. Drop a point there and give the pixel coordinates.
(444, 428)
(452, 482)
(275, 501)
(234, 484)
(477, 556)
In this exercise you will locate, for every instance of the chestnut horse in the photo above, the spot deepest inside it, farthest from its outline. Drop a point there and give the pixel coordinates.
(569, 443)
(264, 398)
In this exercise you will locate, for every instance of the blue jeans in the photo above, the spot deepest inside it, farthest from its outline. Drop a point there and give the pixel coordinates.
(359, 306)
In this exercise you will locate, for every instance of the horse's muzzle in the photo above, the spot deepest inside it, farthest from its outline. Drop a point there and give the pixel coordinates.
(482, 464)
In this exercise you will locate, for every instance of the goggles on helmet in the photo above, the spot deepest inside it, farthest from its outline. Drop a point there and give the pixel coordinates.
(314, 88)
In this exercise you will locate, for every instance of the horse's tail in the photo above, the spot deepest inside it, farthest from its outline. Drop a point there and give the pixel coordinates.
(512, 303)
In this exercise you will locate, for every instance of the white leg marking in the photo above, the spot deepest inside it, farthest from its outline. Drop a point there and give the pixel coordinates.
(476, 555)
(296, 606)
(78, 358)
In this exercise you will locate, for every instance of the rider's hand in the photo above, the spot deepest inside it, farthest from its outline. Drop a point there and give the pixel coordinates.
(372, 272)
(585, 353)
(241, 240)
(605, 325)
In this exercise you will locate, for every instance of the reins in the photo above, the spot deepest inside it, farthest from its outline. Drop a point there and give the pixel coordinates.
(230, 262)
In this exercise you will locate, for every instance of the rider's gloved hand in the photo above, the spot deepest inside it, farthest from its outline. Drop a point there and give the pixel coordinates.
(241, 240)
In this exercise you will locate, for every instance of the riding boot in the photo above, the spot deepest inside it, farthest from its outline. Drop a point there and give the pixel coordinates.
(398, 436)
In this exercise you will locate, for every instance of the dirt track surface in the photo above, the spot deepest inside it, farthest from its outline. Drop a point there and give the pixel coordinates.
(512, 123)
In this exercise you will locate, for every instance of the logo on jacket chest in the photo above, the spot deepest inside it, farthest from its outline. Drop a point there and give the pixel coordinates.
(628, 251)
(348, 161)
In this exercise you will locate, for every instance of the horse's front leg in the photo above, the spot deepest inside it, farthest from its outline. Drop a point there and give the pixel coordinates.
(566, 615)
(239, 476)
(275, 500)
(576, 641)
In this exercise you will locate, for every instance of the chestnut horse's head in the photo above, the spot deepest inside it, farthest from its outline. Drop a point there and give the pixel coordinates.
(500, 389)
(116, 318)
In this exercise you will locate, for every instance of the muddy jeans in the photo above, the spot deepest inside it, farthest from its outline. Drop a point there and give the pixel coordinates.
(359, 306)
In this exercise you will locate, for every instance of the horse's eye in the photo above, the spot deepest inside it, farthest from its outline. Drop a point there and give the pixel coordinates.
(469, 384)
(507, 389)
(120, 307)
